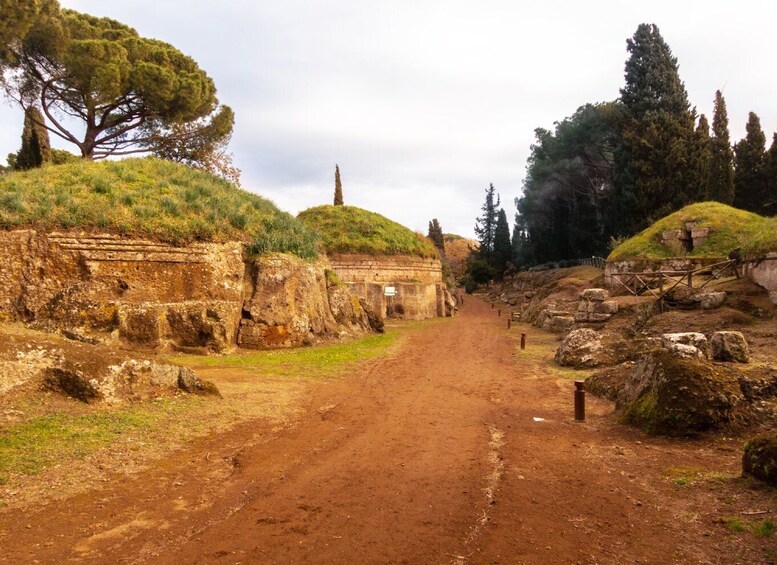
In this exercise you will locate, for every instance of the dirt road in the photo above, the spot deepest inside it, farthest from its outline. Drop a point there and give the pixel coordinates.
(433, 456)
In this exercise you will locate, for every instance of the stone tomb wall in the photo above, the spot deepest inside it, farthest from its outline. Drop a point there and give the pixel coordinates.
(420, 290)
(200, 297)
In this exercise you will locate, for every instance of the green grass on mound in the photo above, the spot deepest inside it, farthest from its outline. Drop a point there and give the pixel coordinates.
(731, 228)
(347, 229)
(148, 198)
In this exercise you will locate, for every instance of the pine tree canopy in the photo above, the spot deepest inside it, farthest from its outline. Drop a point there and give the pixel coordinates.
(122, 88)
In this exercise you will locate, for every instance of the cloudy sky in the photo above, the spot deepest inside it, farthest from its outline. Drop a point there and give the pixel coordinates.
(425, 102)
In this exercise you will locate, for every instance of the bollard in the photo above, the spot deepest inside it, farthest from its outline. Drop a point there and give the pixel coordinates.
(492, 305)
(500, 313)
(523, 341)
(580, 401)
(509, 323)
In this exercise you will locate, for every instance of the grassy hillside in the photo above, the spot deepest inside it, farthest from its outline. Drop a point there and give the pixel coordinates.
(149, 198)
(347, 229)
(730, 229)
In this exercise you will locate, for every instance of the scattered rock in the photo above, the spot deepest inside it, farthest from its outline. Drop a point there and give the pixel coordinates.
(695, 339)
(712, 300)
(760, 458)
(595, 294)
(730, 346)
(685, 351)
(668, 395)
(560, 324)
(773, 296)
(580, 349)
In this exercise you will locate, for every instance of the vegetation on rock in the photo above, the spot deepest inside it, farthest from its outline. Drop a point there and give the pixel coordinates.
(730, 229)
(149, 198)
(760, 458)
(352, 230)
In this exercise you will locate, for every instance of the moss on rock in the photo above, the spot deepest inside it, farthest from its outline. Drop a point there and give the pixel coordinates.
(760, 458)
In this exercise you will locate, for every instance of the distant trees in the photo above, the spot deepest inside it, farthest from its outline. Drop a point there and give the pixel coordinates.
(129, 94)
(36, 146)
(720, 186)
(656, 171)
(437, 236)
(338, 187)
(611, 169)
(750, 168)
(485, 225)
(503, 249)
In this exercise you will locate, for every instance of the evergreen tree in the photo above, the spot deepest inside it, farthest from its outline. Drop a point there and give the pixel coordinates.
(656, 172)
(721, 175)
(770, 198)
(749, 168)
(485, 225)
(36, 146)
(436, 235)
(702, 159)
(502, 245)
(338, 187)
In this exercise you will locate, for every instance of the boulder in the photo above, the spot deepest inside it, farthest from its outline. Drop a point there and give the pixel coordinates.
(712, 300)
(730, 346)
(668, 395)
(686, 351)
(595, 294)
(773, 296)
(560, 324)
(130, 380)
(375, 321)
(580, 349)
(696, 339)
(760, 458)
(606, 307)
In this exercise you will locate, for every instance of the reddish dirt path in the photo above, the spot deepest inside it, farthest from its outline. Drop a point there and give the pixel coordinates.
(430, 456)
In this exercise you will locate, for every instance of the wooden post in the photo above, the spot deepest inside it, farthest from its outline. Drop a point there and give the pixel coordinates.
(661, 292)
(690, 279)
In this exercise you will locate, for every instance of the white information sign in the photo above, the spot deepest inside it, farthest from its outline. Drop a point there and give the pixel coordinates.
(390, 291)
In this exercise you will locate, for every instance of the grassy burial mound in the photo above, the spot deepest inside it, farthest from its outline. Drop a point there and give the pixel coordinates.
(150, 198)
(729, 229)
(351, 230)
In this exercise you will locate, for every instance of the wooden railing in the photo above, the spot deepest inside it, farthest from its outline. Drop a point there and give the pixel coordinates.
(661, 283)
(598, 262)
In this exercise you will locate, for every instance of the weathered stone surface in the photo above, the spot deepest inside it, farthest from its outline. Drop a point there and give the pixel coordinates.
(561, 324)
(730, 346)
(606, 307)
(668, 395)
(595, 294)
(580, 349)
(130, 380)
(684, 351)
(712, 300)
(292, 303)
(375, 321)
(696, 339)
(773, 297)
(759, 459)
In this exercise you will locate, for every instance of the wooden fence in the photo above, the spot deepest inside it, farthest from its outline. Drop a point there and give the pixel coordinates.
(661, 283)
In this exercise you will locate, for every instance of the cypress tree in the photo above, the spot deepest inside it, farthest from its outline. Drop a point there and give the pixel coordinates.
(749, 167)
(436, 235)
(503, 249)
(721, 177)
(702, 155)
(655, 169)
(338, 187)
(485, 225)
(36, 146)
(770, 198)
